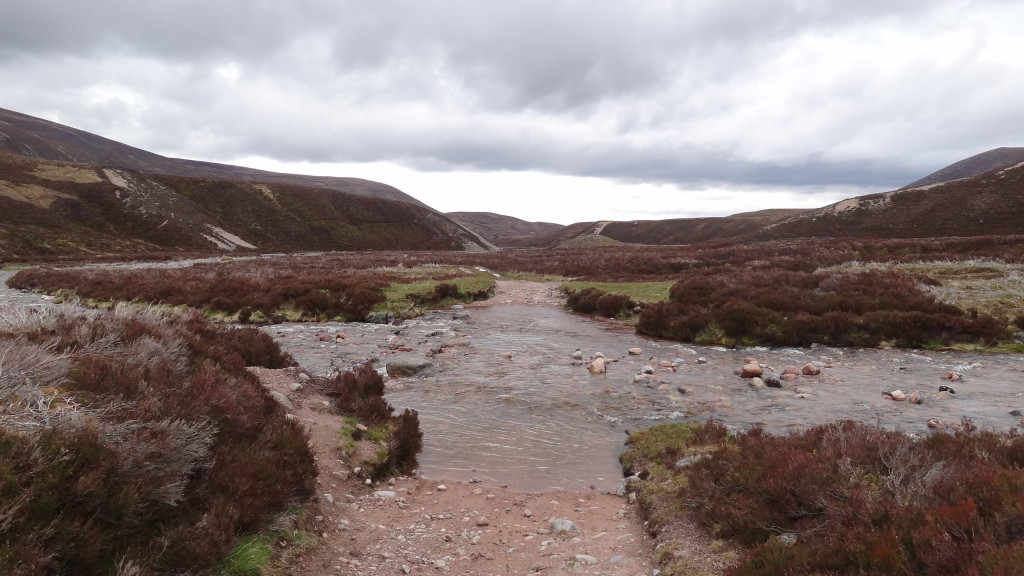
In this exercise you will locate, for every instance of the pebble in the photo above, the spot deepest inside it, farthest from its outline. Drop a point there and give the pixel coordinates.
(441, 488)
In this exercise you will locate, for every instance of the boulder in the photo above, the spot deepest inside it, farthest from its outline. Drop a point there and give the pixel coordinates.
(750, 370)
(577, 355)
(915, 398)
(648, 369)
(810, 370)
(635, 351)
(282, 400)
(400, 368)
(935, 424)
(756, 382)
(790, 370)
(597, 366)
(380, 318)
(772, 382)
(563, 526)
(898, 395)
(789, 377)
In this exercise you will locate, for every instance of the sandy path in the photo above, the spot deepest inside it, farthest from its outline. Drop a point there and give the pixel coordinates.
(520, 292)
(465, 528)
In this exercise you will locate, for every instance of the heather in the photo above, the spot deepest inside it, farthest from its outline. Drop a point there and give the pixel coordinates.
(133, 441)
(843, 292)
(794, 308)
(840, 498)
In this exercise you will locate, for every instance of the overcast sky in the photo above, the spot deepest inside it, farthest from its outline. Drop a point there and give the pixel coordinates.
(560, 111)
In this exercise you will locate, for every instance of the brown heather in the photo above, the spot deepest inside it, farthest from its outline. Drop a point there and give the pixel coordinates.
(138, 439)
(859, 500)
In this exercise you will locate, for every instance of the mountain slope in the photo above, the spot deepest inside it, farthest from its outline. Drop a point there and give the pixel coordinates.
(52, 208)
(38, 138)
(995, 159)
(695, 230)
(504, 231)
(983, 205)
(68, 192)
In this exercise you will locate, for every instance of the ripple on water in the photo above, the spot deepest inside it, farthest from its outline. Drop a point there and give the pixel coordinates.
(534, 422)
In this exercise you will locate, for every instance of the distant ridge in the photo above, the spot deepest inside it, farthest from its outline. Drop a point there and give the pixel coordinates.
(978, 164)
(504, 231)
(68, 193)
(38, 138)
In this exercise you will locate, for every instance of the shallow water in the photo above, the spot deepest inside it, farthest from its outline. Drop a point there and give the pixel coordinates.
(506, 405)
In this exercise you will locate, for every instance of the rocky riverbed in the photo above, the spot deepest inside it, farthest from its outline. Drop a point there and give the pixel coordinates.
(505, 394)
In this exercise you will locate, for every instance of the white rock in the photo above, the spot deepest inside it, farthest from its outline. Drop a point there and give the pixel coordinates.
(563, 526)
(442, 488)
(635, 351)
(587, 559)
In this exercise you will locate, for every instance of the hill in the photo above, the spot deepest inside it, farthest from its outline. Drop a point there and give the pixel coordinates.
(504, 231)
(695, 230)
(65, 192)
(38, 138)
(51, 209)
(978, 196)
(982, 205)
(995, 159)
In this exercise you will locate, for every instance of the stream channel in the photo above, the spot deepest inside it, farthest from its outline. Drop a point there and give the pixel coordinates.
(505, 403)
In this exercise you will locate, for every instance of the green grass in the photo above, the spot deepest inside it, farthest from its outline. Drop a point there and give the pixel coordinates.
(423, 279)
(250, 557)
(639, 291)
(257, 555)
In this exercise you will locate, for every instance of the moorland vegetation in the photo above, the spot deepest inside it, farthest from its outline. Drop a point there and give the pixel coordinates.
(843, 292)
(135, 441)
(844, 498)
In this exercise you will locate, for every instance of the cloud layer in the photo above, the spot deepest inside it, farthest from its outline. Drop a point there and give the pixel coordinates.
(805, 96)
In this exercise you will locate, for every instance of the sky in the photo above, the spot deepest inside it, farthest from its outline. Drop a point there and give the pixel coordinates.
(546, 110)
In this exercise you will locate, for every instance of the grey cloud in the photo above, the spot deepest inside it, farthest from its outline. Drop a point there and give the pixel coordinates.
(687, 93)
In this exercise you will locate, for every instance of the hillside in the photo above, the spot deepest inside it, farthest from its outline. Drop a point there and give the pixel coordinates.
(38, 138)
(982, 205)
(504, 231)
(695, 230)
(50, 209)
(995, 159)
(955, 201)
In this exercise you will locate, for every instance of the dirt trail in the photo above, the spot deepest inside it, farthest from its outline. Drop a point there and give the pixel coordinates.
(410, 525)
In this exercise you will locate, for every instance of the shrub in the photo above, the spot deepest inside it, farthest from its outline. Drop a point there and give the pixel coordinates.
(611, 305)
(156, 448)
(860, 499)
(796, 308)
(360, 394)
(585, 301)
